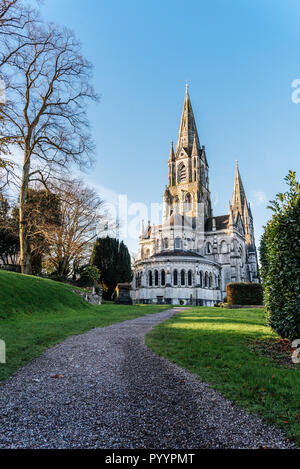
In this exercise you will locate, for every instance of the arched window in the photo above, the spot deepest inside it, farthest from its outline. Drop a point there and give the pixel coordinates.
(190, 278)
(201, 279)
(208, 248)
(181, 173)
(182, 277)
(166, 243)
(210, 281)
(147, 252)
(188, 202)
(219, 281)
(150, 279)
(206, 280)
(138, 279)
(156, 278)
(177, 243)
(175, 277)
(162, 278)
(223, 247)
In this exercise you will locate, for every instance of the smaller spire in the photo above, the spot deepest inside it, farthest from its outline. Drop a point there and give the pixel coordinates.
(172, 154)
(238, 195)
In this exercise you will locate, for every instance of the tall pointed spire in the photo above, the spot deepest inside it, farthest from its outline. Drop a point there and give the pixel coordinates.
(187, 128)
(238, 195)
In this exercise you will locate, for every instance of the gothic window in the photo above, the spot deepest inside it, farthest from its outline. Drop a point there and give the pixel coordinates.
(138, 279)
(181, 173)
(150, 279)
(219, 281)
(241, 254)
(208, 248)
(210, 281)
(166, 243)
(190, 278)
(147, 252)
(223, 247)
(182, 277)
(177, 243)
(156, 278)
(206, 280)
(163, 278)
(201, 279)
(188, 202)
(175, 277)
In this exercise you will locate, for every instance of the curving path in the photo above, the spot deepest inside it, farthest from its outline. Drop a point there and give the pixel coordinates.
(113, 392)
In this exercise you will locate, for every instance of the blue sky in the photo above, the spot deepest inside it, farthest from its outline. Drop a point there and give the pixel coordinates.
(239, 57)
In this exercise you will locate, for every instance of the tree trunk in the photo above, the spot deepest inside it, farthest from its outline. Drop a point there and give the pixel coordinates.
(25, 260)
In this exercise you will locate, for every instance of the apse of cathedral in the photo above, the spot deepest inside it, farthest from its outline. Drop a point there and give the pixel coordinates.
(192, 255)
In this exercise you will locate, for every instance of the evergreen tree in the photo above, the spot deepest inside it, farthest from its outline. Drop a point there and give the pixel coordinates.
(9, 239)
(113, 261)
(280, 262)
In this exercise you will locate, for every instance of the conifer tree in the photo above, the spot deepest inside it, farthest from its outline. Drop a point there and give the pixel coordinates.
(113, 261)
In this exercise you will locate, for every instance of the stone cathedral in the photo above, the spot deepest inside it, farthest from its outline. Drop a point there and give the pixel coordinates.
(192, 255)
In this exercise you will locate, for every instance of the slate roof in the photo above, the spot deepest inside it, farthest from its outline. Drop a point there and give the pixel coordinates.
(221, 223)
(177, 253)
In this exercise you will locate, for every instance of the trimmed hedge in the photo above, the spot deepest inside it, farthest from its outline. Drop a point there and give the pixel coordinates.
(244, 293)
(280, 262)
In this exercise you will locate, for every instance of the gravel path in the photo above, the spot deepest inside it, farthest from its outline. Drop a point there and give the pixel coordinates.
(110, 391)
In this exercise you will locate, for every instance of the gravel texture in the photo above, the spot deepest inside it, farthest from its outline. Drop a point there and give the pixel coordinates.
(106, 389)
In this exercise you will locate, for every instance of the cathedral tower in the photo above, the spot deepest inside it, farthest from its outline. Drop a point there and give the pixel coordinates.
(188, 190)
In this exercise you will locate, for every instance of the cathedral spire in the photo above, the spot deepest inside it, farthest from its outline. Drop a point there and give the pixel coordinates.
(172, 155)
(238, 195)
(187, 128)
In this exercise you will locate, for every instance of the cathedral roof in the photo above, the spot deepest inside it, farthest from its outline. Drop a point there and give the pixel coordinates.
(221, 223)
(187, 129)
(177, 253)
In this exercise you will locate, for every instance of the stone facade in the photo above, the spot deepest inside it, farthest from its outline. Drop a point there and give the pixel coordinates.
(192, 255)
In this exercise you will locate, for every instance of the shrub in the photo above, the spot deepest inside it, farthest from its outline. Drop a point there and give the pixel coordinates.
(244, 293)
(89, 276)
(280, 262)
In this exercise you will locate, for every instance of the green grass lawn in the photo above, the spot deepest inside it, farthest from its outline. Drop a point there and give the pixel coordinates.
(215, 344)
(37, 313)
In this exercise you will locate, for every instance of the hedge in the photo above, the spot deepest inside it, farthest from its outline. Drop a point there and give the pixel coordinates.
(280, 262)
(244, 293)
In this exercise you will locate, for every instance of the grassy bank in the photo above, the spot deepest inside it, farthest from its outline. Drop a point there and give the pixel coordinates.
(216, 345)
(37, 313)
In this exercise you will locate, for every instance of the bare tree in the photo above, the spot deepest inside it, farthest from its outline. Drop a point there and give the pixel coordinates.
(82, 218)
(47, 88)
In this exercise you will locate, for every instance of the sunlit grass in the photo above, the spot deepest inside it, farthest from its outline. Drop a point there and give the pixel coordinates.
(214, 344)
(37, 313)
